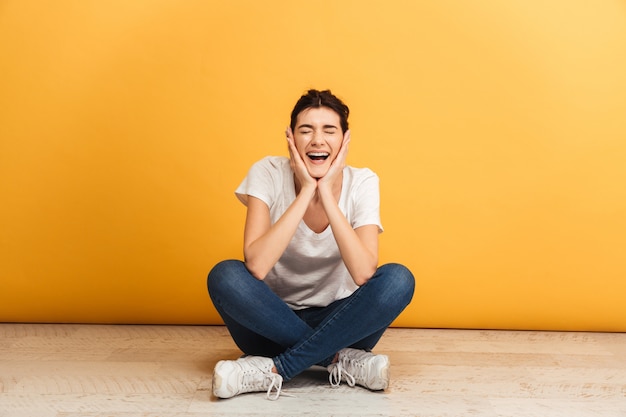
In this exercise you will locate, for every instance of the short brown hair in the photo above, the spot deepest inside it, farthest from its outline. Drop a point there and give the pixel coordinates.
(317, 99)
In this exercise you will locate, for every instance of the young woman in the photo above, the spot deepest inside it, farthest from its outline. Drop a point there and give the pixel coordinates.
(310, 291)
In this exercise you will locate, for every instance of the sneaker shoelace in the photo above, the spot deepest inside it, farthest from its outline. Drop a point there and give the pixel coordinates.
(274, 382)
(338, 370)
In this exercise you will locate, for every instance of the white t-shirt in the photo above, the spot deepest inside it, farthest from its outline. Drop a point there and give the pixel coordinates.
(311, 272)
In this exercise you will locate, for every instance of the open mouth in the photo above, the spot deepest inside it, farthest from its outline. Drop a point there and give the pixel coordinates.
(318, 156)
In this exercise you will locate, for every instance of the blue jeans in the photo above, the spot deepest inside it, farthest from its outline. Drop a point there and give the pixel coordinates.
(262, 324)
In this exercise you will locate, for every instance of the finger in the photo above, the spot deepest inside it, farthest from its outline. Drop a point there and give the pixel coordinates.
(344, 145)
(289, 135)
(293, 152)
(290, 142)
(294, 156)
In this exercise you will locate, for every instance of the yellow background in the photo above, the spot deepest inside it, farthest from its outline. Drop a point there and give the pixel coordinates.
(498, 129)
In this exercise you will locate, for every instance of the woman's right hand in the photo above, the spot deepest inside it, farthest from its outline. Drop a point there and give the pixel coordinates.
(264, 242)
(297, 164)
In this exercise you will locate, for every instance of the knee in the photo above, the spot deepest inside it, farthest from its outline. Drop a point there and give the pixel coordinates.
(222, 274)
(399, 282)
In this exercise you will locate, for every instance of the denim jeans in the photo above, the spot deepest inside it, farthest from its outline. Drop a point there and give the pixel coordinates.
(262, 324)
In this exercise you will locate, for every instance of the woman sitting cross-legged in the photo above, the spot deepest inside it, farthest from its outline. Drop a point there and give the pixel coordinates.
(310, 291)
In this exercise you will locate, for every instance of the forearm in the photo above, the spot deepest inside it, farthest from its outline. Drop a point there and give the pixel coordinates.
(359, 256)
(263, 248)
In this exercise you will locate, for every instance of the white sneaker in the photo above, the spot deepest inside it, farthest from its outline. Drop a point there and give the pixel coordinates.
(249, 374)
(360, 367)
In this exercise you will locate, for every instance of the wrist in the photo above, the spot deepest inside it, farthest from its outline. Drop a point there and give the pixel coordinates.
(308, 189)
(325, 191)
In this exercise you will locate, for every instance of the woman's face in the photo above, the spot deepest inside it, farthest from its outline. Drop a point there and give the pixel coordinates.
(318, 138)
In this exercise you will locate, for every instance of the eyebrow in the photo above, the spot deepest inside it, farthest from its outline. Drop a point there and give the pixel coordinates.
(307, 126)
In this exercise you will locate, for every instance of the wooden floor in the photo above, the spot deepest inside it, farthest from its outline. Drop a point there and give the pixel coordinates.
(165, 371)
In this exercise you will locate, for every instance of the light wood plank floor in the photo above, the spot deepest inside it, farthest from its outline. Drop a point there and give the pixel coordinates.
(51, 370)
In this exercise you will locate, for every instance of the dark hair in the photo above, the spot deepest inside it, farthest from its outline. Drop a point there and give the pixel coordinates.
(317, 99)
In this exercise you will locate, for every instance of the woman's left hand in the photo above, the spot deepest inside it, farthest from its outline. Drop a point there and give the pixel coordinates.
(337, 166)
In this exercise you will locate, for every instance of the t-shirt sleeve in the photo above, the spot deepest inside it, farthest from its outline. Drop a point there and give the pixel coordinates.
(258, 183)
(366, 202)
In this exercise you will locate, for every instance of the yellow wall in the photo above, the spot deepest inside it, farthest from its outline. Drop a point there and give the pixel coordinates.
(498, 129)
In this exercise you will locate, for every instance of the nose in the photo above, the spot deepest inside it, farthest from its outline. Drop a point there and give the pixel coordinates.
(318, 138)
